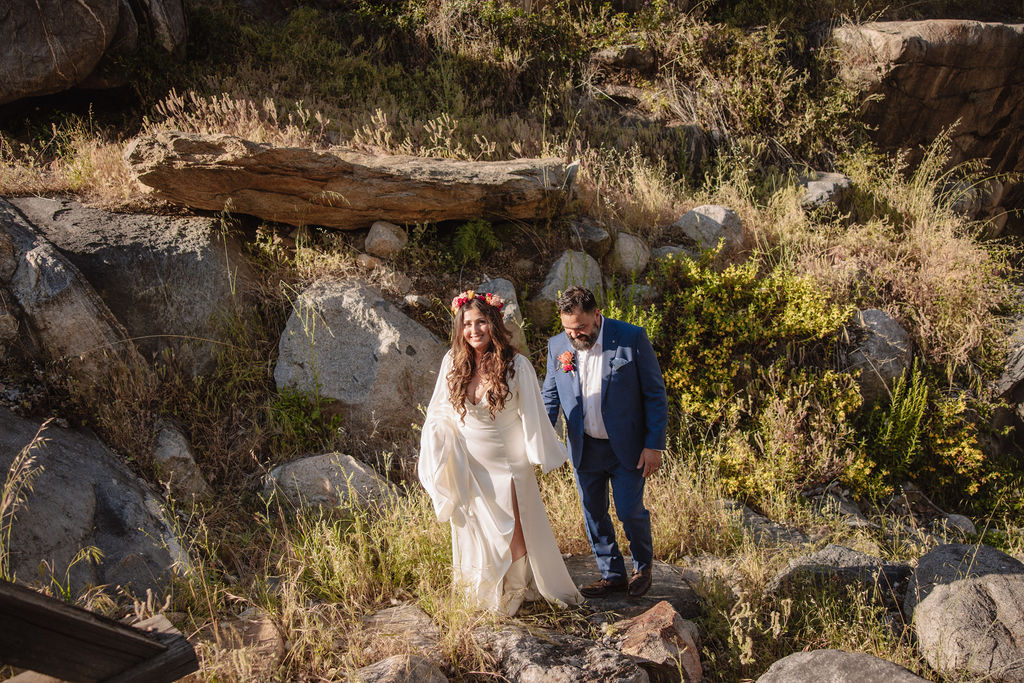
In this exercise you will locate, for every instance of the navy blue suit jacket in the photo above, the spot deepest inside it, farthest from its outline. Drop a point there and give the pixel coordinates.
(633, 401)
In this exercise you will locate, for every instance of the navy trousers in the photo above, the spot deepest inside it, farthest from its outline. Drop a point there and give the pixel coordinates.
(599, 467)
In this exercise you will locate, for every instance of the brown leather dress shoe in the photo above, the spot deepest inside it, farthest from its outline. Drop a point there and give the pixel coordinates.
(602, 587)
(639, 582)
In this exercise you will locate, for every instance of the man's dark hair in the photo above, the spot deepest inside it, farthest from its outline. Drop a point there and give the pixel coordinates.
(576, 297)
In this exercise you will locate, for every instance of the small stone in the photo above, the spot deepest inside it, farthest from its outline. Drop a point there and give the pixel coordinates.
(675, 251)
(709, 224)
(402, 283)
(630, 254)
(328, 480)
(961, 523)
(368, 262)
(822, 189)
(176, 465)
(386, 239)
(883, 355)
(594, 239)
(417, 300)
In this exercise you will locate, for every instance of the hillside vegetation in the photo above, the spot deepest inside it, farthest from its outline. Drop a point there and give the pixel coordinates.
(737, 102)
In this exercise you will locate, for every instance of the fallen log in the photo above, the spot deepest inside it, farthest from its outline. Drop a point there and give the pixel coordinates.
(341, 188)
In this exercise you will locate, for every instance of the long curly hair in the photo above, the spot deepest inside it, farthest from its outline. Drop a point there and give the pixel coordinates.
(497, 366)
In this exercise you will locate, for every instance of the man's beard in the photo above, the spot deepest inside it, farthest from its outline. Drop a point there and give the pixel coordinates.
(583, 342)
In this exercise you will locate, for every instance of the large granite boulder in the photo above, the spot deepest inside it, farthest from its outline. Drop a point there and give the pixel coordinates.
(976, 626)
(836, 666)
(169, 281)
(932, 74)
(571, 268)
(82, 496)
(882, 355)
(53, 45)
(953, 562)
(630, 254)
(341, 188)
(345, 341)
(64, 315)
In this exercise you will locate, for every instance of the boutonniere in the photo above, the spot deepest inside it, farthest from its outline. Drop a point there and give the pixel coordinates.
(568, 361)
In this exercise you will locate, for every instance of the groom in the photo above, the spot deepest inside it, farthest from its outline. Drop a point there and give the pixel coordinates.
(604, 376)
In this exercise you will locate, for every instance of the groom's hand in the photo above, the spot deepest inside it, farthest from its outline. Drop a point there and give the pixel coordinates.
(649, 462)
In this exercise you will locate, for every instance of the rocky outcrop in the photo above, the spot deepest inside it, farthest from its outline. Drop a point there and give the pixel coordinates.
(836, 666)
(932, 74)
(542, 656)
(344, 341)
(82, 496)
(328, 480)
(882, 355)
(64, 315)
(339, 188)
(664, 644)
(167, 280)
(53, 45)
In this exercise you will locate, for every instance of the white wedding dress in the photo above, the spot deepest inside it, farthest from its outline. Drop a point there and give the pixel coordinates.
(468, 469)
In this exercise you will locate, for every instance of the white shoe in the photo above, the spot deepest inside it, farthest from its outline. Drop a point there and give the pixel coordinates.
(516, 586)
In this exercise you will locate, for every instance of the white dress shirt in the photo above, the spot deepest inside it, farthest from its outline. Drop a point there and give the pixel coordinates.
(589, 366)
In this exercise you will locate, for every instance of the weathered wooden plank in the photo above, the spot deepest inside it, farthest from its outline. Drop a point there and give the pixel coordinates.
(177, 661)
(50, 637)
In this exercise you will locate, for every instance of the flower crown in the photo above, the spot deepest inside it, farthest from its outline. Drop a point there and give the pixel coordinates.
(488, 298)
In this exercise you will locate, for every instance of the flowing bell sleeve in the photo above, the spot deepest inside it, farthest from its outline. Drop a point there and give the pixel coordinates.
(542, 444)
(442, 465)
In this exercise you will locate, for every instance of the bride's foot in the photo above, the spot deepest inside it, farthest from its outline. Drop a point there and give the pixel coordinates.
(516, 586)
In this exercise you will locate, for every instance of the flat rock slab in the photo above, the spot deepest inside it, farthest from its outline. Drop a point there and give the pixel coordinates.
(408, 624)
(401, 669)
(668, 584)
(836, 666)
(543, 656)
(340, 188)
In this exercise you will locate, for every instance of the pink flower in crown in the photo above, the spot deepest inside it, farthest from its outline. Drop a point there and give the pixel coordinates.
(467, 296)
(568, 361)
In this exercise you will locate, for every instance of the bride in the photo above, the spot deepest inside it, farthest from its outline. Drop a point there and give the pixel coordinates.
(485, 429)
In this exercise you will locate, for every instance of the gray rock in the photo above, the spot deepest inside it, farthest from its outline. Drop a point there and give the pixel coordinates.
(836, 567)
(417, 300)
(707, 225)
(400, 669)
(976, 626)
(953, 562)
(833, 505)
(961, 523)
(55, 45)
(328, 480)
(345, 341)
(1013, 370)
(663, 643)
(65, 315)
(386, 239)
(593, 239)
(633, 57)
(409, 626)
(169, 281)
(82, 496)
(8, 326)
(669, 250)
(630, 254)
(667, 584)
(762, 530)
(882, 356)
(176, 465)
(510, 313)
(542, 656)
(836, 666)
(571, 268)
(822, 189)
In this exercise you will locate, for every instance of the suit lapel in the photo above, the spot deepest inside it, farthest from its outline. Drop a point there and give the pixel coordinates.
(609, 345)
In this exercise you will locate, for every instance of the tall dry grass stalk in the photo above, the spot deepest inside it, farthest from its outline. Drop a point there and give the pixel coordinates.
(16, 486)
